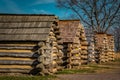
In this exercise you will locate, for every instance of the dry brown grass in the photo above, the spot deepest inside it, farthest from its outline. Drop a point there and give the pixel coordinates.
(117, 55)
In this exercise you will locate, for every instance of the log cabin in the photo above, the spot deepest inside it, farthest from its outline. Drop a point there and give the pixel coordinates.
(104, 44)
(74, 43)
(91, 46)
(111, 51)
(101, 46)
(29, 44)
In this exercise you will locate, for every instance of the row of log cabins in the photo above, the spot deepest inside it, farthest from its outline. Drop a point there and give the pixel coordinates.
(101, 47)
(42, 44)
(104, 47)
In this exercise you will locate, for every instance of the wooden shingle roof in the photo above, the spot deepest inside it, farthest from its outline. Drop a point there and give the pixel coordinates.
(25, 27)
(68, 29)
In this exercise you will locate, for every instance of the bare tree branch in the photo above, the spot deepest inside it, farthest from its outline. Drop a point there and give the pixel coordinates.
(98, 14)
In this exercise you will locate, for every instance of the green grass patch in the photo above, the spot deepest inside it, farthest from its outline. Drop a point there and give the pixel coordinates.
(74, 71)
(92, 68)
(117, 60)
(99, 67)
(28, 78)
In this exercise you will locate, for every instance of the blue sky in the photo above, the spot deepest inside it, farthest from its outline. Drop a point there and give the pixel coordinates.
(32, 7)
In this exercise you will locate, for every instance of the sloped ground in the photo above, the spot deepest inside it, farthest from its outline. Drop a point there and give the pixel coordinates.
(106, 71)
(97, 76)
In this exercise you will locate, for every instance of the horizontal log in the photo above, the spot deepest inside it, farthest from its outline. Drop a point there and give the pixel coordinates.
(17, 44)
(20, 55)
(54, 63)
(12, 58)
(19, 51)
(82, 36)
(54, 70)
(59, 61)
(18, 62)
(84, 47)
(14, 70)
(60, 47)
(57, 32)
(84, 57)
(58, 37)
(59, 41)
(84, 61)
(84, 39)
(51, 34)
(55, 44)
(75, 46)
(17, 47)
(51, 38)
(74, 51)
(54, 50)
(75, 57)
(54, 55)
(56, 27)
(84, 52)
(84, 43)
(59, 68)
(16, 66)
(75, 63)
(76, 41)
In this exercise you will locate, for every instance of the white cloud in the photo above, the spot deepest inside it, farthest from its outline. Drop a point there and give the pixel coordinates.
(43, 2)
(39, 11)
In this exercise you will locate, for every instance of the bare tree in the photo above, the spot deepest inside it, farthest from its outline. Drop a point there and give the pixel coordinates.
(98, 14)
(117, 33)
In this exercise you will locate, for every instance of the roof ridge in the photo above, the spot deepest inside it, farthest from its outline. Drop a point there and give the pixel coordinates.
(26, 14)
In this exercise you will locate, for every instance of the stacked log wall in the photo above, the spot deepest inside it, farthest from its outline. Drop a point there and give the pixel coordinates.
(111, 47)
(51, 53)
(72, 52)
(101, 47)
(18, 57)
(91, 45)
(84, 46)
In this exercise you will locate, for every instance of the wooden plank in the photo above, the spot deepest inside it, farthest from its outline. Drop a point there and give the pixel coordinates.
(19, 47)
(18, 43)
(19, 25)
(21, 55)
(25, 31)
(16, 66)
(12, 58)
(84, 47)
(27, 18)
(14, 70)
(23, 37)
(17, 62)
(20, 51)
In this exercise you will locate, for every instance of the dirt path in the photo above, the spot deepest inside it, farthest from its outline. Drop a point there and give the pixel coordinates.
(110, 73)
(105, 76)
(113, 75)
